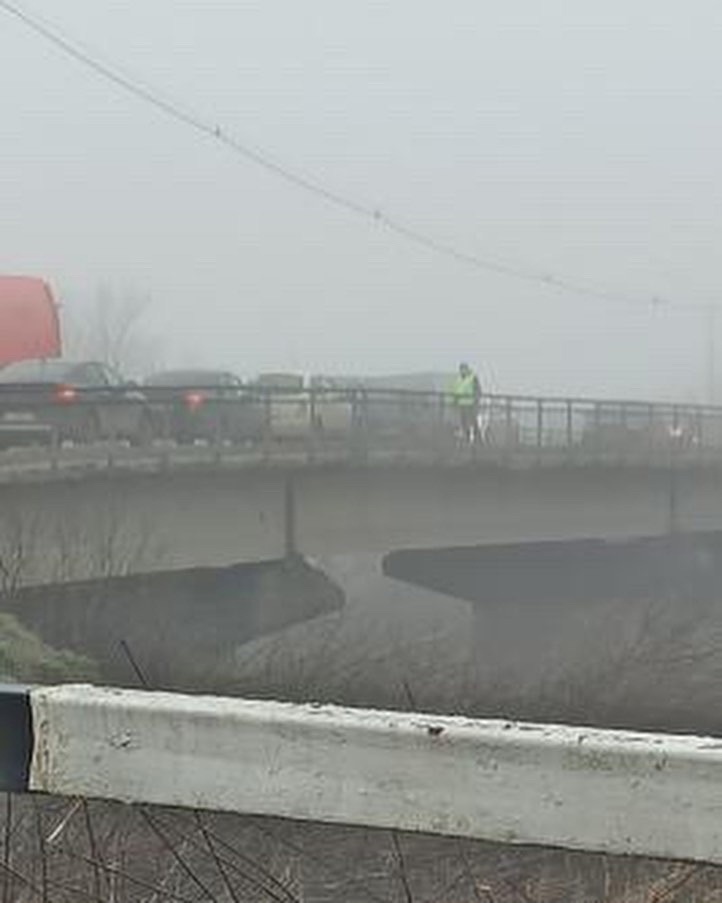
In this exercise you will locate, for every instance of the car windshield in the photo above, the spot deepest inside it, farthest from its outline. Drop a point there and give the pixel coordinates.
(37, 371)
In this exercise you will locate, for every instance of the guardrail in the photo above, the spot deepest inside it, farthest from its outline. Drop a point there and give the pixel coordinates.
(573, 787)
(359, 422)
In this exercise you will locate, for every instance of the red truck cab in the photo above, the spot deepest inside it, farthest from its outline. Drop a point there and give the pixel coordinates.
(29, 321)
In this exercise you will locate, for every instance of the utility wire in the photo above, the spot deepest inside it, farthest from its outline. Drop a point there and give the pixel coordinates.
(175, 111)
(129, 84)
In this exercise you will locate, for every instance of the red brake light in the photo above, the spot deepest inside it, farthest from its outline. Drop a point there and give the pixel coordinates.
(65, 394)
(194, 399)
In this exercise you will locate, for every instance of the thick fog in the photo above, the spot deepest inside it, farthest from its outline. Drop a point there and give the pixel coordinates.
(579, 138)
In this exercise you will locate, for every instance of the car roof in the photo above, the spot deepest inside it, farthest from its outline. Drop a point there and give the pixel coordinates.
(189, 377)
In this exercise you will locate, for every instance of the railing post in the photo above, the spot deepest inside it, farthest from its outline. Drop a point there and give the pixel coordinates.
(267, 422)
(539, 424)
(675, 444)
(359, 420)
(673, 498)
(570, 427)
(54, 448)
(598, 444)
(439, 436)
(218, 433)
(508, 425)
(313, 424)
(353, 438)
(650, 443)
(626, 439)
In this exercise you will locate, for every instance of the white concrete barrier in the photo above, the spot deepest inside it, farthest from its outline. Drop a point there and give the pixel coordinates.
(518, 783)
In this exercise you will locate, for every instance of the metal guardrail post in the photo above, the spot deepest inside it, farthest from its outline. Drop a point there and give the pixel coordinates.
(17, 737)
(626, 451)
(570, 425)
(358, 436)
(673, 490)
(218, 435)
(539, 423)
(673, 499)
(54, 448)
(267, 423)
(313, 424)
(355, 423)
(439, 426)
(508, 426)
(597, 444)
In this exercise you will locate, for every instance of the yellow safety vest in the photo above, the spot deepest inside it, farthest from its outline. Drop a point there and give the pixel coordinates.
(465, 390)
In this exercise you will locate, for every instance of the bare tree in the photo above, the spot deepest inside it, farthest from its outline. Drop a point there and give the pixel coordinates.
(18, 548)
(111, 329)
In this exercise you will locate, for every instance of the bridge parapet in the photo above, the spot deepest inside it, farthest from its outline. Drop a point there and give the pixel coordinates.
(321, 426)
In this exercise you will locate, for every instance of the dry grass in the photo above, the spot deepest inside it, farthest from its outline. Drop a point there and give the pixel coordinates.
(68, 851)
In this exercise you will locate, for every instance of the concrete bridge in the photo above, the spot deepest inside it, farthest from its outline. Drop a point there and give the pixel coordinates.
(385, 471)
(123, 511)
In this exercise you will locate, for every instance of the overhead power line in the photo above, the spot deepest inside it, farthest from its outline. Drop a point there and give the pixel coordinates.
(112, 73)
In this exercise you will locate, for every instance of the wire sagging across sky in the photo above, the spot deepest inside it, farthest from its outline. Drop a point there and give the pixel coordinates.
(374, 215)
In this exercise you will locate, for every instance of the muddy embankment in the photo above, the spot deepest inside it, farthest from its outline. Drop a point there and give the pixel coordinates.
(174, 629)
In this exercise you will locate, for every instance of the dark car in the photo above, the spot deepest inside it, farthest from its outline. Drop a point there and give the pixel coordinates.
(205, 404)
(46, 401)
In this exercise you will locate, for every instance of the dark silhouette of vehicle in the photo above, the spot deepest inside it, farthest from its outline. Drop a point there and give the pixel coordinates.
(46, 401)
(214, 405)
(638, 427)
(298, 406)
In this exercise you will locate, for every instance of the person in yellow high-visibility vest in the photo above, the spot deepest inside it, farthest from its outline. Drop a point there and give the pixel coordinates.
(467, 398)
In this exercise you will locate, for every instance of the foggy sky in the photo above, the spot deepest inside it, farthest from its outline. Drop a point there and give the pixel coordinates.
(580, 137)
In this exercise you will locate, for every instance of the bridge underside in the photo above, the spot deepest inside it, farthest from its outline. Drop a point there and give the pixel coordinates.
(175, 629)
(557, 573)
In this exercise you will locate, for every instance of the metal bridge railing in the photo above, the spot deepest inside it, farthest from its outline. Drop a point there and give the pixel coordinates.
(358, 421)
